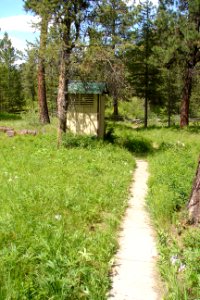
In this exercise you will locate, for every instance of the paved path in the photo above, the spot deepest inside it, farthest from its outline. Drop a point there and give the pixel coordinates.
(134, 273)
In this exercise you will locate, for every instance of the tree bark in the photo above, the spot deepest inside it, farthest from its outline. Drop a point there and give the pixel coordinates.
(71, 15)
(42, 100)
(115, 100)
(62, 96)
(169, 113)
(146, 99)
(146, 112)
(184, 113)
(169, 101)
(115, 107)
(194, 202)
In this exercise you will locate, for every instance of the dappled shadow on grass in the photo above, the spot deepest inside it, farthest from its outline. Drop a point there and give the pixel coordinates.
(141, 142)
(9, 116)
(121, 125)
(136, 145)
(193, 129)
(140, 128)
(174, 128)
(122, 135)
(157, 127)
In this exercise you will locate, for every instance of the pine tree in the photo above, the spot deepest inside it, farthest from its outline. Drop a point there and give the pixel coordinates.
(143, 74)
(29, 77)
(190, 35)
(10, 77)
(43, 9)
(114, 21)
(183, 46)
(169, 74)
(68, 17)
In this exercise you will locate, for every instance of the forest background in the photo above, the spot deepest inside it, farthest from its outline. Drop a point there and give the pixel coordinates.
(142, 50)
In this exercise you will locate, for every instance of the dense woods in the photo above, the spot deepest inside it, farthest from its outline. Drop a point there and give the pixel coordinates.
(147, 51)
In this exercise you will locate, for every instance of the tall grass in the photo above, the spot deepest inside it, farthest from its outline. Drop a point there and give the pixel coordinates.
(59, 214)
(172, 155)
(172, 171)
(60, 210)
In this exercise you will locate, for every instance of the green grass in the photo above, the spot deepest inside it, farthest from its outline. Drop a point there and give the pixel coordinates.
(28, 120)
(60, 209)
(59, 214)
(172, 172)
(172, 155)
(7, 116)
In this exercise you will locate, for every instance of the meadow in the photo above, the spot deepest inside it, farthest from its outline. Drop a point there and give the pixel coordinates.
(173, 156)
(61, 209)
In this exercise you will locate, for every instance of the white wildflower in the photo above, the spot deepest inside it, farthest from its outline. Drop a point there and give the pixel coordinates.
(180, 144)
(86, 291)
(174, 259)
(182, 268)
(58, 217)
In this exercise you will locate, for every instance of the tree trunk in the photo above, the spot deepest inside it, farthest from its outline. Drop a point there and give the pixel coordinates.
(146, 96)
(184, 113)
(61, 103)
(115, 107)
(146, 111)
(194, 202)
(115, 100)
(62, 96)
(169, 101)
(169, 113)
(146, 68)
(42, 101)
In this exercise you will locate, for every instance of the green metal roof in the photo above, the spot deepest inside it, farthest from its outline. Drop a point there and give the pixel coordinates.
(79, 87)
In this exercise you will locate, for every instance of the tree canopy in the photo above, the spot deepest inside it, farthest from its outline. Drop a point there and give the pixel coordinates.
(147, 51)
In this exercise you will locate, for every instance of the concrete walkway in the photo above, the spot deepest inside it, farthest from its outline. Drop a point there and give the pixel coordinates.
(134, 273)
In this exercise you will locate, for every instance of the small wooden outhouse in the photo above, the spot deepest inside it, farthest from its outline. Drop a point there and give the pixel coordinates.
(86, 109)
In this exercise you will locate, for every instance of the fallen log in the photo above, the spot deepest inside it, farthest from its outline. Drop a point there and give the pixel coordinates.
(5, 129)
(11, 132)
(27, 131)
